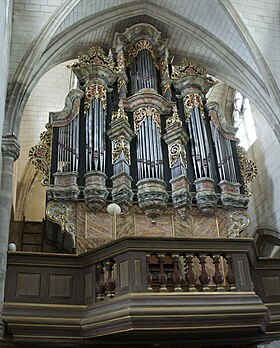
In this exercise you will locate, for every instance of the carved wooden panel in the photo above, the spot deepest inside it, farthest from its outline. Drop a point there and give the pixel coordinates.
(88, 285)
(28, 284)
(242, 272)
(137, 271)
(124, 274)
(271, 287)
(60, 286)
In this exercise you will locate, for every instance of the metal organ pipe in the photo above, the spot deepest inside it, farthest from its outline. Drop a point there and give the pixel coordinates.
(197, 157)
(234, 177)
(219, 154)
(149, 151)
(68, 146)
(77, 130)
(223, 149)
(143, 72)
(96, 126)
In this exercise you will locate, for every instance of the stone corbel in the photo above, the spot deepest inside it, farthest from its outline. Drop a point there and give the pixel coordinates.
(95, 191)
(206, 197)
(10, 146)
(231, 196)
(65, 186)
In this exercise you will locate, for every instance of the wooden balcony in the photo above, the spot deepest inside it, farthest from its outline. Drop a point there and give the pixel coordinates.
(153, 291)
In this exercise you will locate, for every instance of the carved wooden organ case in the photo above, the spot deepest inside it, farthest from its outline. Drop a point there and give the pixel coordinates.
(138, 132)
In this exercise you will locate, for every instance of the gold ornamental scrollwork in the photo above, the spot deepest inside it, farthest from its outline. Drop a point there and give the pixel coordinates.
(95, 91)
(188, 68)
(239, 221)
(40, 154)
(164, 70)
(165, 78)
(174, 119)
(139, 46)
(175, 151)
(248, 169)
(141, 114)
(95, 56)
(122, 83)
(192, 101)
(121, 62)
(120, 145)
(59, 213)
(120, 114)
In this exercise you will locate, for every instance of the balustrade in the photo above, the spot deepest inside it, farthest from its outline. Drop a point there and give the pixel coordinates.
(166, 271)
(190, 272)
(135, 265)
(136, 280)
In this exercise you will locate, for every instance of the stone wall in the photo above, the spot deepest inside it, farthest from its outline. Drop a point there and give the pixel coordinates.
(264, 207)
(29, 17)
(262, 20)
(48, 95)
(5, 37)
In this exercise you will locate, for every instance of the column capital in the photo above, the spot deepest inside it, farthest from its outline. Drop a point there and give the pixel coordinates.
(10, 146)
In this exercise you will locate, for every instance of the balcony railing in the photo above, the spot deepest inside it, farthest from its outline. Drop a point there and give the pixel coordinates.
(143, 285)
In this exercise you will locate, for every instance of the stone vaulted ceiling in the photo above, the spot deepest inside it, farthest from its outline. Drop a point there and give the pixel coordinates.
(205, 31)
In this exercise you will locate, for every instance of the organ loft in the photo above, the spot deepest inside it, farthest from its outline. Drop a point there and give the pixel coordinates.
(147, 195)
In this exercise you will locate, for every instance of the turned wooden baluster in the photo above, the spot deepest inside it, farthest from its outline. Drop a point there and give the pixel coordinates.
(218, 278)
(162, 277)
(190, 276)
(149, 274)
(177, 278)
(230, 275)
(100, 287)
(204, 276)
(110, 285)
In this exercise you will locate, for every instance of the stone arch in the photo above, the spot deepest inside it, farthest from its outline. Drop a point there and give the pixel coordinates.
(22, 82)
(46, 52)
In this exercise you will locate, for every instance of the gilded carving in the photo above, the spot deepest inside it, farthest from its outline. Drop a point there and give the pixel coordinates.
(95, 91)
(60, 213)
(40, 154)
(174, 119)
(164, 66)
(239, 221)
(121, 62)
(192, 101)
(188, 68)
(165, 78)
(248, 169)
(120, 145)
(176, 150)
(120, 114)
(95, 56)
(139, 46)
(122, 84)
(141, 114)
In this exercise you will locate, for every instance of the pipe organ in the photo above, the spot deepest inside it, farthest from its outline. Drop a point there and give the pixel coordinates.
(138, 131)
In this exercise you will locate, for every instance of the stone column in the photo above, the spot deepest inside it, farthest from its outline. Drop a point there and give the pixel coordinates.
(10, 152)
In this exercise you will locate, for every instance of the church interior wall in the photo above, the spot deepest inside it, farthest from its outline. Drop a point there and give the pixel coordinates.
(260, 20)
(47, 96)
